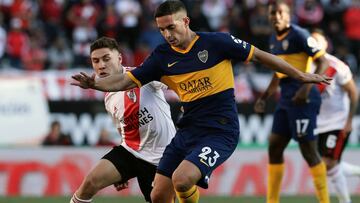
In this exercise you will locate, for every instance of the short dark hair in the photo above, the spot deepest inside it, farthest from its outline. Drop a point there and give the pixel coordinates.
(278, 2)
(104, 42)
(169, 7)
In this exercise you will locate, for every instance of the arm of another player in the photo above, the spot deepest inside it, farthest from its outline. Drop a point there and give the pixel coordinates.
(301, 96)
(351, 90)
(260, 103)
(279, 65)
(112, 83)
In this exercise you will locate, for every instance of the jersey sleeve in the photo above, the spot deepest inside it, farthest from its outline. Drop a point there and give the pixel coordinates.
(309, 45)
(234, 48)
(148, 71)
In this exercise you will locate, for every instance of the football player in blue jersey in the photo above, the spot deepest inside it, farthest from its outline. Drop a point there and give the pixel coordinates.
(296, 112)
(197, 66)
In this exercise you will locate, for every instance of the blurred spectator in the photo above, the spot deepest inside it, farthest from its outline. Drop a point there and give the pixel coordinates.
(141, 52)
(260, 26)
(198, 20)
(129, 12)
(56, 137)
(310, 13)
(104, 139)
(35, 58)
(83, 34)
(343, 53)
(151, 36)
(51, 14)
(83, 10)
(335, 8)
(17, 44)
(215, 11)
(2, 38)
(23, 10)
(60, 56)
(108, 24)
(352, 26)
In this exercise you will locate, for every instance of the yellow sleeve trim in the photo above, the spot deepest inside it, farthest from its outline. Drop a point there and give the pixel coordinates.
(319, 54)
(131, 76)
(250, 54)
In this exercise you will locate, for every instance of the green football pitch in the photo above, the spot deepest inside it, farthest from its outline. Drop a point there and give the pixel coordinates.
(292, 199)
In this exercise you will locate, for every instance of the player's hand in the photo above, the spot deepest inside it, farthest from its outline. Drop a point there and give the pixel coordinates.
(301, 96)
(259, 106)
(120, 185)
(315, 78)
(83, 80)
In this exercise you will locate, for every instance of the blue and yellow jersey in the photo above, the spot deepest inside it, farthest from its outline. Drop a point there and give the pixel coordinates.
(299, 49)
(201, 76)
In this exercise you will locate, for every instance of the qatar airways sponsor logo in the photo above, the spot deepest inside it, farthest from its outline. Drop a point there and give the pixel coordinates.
(196, 86)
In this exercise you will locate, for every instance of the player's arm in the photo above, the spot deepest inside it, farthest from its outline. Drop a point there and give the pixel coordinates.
(260, 103)
(277, 64)
(351, 90)
(111, 83)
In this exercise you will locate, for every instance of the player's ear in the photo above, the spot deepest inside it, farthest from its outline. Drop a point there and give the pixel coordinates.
(186, 21)
(120, 58)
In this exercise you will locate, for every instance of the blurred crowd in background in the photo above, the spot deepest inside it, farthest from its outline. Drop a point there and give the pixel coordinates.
(39, 35)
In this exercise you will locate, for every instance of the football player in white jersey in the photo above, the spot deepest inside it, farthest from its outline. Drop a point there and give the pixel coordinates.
(144, 122)
(339, 103)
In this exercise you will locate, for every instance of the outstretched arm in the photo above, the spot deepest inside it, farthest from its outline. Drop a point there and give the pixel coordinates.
(301, 96)
(111, 83)
(279, 65)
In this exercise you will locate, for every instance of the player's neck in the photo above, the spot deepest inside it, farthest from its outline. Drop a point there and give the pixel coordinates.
(283, 31)
(191, 36)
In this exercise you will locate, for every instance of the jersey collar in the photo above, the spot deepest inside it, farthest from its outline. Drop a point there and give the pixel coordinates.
(188, 48)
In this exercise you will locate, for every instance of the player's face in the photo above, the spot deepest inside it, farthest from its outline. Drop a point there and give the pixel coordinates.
(174, 28)
(106, 62)
(279, 17)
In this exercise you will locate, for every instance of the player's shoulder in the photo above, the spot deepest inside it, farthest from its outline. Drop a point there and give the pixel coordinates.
(161, 48)
(299, 31)
(336, 63)
(213, 36)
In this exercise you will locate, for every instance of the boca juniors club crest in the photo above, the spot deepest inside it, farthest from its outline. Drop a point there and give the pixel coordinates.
(285, 44)
(132, 95)
(203, 56)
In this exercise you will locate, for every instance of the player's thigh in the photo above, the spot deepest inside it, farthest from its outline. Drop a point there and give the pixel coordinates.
(332, 144)
(209, 152)
(302, 121)
(281, 125)
(124, 162)
(103, 174)
(173, 155)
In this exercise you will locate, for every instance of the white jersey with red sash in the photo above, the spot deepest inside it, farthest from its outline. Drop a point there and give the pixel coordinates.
(143, 119)
(335, 101)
